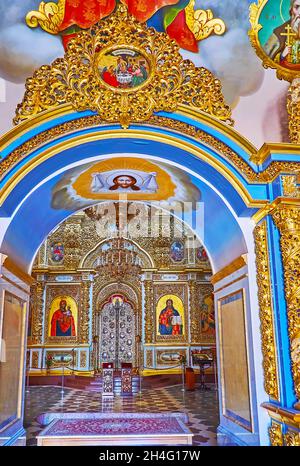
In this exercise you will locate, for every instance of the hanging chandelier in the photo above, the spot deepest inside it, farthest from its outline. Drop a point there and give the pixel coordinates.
(119, 258)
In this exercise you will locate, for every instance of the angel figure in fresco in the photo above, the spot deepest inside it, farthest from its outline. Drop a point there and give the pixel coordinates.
(283, 46)
(170, 322)
(62, 322)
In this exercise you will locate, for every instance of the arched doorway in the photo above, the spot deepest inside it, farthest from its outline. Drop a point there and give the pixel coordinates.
(117, 329)
(62, 160)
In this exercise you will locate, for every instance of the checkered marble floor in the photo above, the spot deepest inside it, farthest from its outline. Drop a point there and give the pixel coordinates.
(201, 407)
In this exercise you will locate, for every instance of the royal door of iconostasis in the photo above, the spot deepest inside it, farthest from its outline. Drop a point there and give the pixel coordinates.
(167, 143)
(117, 330)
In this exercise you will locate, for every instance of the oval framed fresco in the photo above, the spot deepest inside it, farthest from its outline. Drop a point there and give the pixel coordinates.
(124, 69)
(275, 35)
(177, 251)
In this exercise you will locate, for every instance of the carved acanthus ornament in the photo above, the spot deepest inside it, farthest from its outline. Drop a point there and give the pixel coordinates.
(293, 107)
(72, 243)
(275, 433)
(202, 22)
(287, 220)
(49, 16)
(76, 78)
(35, 360)
(292, 438)
(291, 185)
(266, 311)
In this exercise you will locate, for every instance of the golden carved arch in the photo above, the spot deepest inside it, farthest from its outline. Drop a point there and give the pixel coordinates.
(75, 79)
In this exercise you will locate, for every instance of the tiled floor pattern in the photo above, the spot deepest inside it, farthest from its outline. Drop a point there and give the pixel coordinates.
(201, 407)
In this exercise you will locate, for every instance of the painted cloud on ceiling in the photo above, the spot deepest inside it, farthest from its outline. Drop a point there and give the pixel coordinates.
(230, 57)
(23, 50)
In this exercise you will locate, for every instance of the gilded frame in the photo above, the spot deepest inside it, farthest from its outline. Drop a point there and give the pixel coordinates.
(159, 352)
(256, 10)
(53, 291)
(23, 319)
(177, 289)
(123, 46)
(222, 377)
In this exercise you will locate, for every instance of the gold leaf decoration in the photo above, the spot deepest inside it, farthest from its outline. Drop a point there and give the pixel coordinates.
(76, 79)
(255, 12)
(49, 16)
(275, 434)
(266, 311)
(202, 22)
(287, 220)
(290, 185)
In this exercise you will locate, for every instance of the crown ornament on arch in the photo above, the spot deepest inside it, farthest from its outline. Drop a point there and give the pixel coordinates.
(124, 71)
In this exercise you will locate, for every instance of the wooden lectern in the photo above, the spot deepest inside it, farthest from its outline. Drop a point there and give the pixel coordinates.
(126, 378)
(107, 379)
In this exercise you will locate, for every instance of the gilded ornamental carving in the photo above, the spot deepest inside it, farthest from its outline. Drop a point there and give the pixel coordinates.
(167, 80)
(275, 433)
(287, 220)
(266, 311)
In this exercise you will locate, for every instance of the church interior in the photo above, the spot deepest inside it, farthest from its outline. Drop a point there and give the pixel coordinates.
(150, 223)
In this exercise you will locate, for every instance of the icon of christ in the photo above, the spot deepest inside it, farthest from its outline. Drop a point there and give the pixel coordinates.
(170, 322)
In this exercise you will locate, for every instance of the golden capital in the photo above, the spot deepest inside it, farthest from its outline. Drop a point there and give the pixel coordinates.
(287, 218)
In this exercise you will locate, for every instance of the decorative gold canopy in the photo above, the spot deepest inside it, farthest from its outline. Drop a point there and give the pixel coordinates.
(76, 78)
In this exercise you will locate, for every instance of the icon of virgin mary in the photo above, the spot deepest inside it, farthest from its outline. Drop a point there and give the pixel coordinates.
(62, 322)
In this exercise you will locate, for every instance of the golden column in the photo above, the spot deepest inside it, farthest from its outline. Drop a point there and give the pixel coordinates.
(286, 217)
(266, 311)
(194, 315)
(149, 319)
(85, 312)
(37, 303)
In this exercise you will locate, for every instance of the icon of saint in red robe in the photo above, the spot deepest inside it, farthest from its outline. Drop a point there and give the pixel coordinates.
(62, 322)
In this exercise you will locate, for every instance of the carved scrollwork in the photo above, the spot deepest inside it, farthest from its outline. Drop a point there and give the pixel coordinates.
(75, 79)
(292, 438)
(290, 185)
(275, 434)
(202, 22)
(49, 16)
